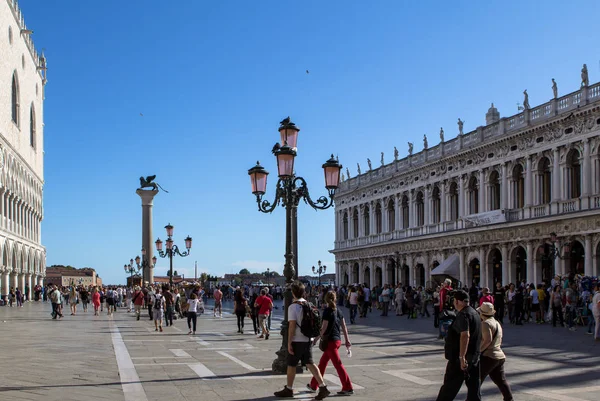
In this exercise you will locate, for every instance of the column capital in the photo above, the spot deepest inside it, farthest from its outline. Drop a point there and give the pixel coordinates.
(147, 196)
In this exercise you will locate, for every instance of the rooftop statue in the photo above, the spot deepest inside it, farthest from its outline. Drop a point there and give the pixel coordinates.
(585, 80)
(425, 142)
(395, 154)
(369, 163)
(441, 134)
(148, 183)
(410, 148)
(554, 88)
(460, 126)
(382, 162)
(358, 168)
(343, 178)
(348, 172)
(526, 100)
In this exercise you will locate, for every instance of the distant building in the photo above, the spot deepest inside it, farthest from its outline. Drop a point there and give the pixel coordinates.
(65, 276)
(22, 81)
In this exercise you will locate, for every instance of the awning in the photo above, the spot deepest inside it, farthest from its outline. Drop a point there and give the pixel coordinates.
(449, 267)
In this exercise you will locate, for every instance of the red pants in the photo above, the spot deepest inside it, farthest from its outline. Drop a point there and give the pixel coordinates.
(331, 353)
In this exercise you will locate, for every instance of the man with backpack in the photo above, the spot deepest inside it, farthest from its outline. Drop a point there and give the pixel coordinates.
(158, 307)
(304, 324)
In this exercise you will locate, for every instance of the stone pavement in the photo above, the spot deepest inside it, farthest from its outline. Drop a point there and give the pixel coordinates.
(118, 358)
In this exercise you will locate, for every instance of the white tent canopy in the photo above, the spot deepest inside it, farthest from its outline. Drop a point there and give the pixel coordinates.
(449, 267)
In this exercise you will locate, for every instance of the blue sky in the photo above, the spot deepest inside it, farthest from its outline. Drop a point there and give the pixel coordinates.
(213, 79)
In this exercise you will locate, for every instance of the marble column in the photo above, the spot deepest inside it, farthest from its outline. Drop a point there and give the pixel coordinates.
(588, 256)
(556, 180)
(40, 281)
(147, 238)
(28, 285)
(530, 275)
(398, 212)
(461, 197)
(482, 187)
(427, 270)
(505, 265)
(411, 270)
(372, 219)
(462, 272)
(361, 221)
(443, 202)
(5, 283)
(483, 271)
(411, 209)
(384, 219)
(509, 269)
(528, 188)
(426, 209)
(586, 175)
(371, 274)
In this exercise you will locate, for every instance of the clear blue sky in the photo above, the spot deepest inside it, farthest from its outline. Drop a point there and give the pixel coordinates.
(213, 79)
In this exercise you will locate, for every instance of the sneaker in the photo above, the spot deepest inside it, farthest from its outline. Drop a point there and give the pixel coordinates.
(588, 332)
(345, 392)
(189, 332)
(572, 329)
(310, 389)
(323, 393)
(285, 393)
(160, 328)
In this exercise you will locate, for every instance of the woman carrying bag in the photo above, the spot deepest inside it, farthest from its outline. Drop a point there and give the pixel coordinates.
(492, 356)
(332, 328)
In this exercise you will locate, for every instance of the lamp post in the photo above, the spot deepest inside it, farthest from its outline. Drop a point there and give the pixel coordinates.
(556, 248)
(141, 264)
(268, 275)
(289, 191)
(319, 271)
(172, 250)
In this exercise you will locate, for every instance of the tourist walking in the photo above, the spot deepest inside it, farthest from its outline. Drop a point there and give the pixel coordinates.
(353, 302)
(73, 300)
(492, 357)
(240, 305)
(56, 299)
(138, 301)
(399, 295)
(169, 304)
(331, 330)
(596, 311)
(218, 296)
(84, 296)
(461, 350)
(299, 347)
(158, 308)
(556, 304)
(192, 313)
(96, 301)
(385, 299)
(264, 305)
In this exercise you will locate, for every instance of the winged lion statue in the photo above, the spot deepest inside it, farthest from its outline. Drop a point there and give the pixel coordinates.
(148, 183)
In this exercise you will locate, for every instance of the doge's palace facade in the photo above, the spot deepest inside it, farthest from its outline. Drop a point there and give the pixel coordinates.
(482, 205)
(22, 81)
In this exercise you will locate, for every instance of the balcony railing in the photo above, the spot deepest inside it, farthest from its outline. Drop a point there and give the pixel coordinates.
(541, 211)
(571, 205)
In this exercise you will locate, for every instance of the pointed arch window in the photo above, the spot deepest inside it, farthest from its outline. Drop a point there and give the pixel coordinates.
(32, 126)
(15, 99)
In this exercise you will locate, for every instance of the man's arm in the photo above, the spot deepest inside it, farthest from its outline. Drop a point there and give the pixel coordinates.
(464, 342)
(291, 331)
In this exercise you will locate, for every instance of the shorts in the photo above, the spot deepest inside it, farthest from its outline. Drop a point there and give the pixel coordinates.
(158, 314)
(302, 353)
(535, 307)
(261, 319)
(110, 301)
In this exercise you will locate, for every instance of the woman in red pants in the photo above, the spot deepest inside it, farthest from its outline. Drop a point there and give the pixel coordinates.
(331, 330)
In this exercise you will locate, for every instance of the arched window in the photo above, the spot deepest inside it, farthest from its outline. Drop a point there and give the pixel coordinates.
(378, 220)
(453, 192)
(494, 191)
(345, 225)
(544, 179)
(15, 99)
(518, 187)
(473, 196)
(355, 223)
(420, 205)
(391, 216)
(32, 126)
(405, 210)
(573, 167)
(436, 205)
(367, 220)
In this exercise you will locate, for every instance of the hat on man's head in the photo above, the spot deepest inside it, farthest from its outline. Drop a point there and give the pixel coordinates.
(461, 295)
(486, 309)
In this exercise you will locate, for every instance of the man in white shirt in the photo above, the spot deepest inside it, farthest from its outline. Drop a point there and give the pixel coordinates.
(299, 347)
(596, 311)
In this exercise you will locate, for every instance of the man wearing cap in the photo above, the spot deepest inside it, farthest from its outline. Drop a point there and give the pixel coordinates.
(462, 352)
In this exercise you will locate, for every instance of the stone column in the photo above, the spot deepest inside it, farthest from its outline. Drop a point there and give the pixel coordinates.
(5, 283)
(461, 197)
(371, 274)
(338, 279)
(588, 268)
(462, 272)
(361, 221)
(505, 265)
(530, 275)
(482, 188)
(28, 284)
(397, 212)
(509, 270)
(384, 219)
(372, 219)
(483, 271)
(556, 180)
(586, 175)
(411, 270)
(14, 280)
(427, 269)
(40, 281)
(443, 202)
(411, 209)
(147, 244)
(426, 209)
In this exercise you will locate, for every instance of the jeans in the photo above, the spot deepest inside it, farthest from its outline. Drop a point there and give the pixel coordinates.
(495, 369)
(557, 311)
(386, 308)
(597, 333)
(332, 353)
(424, 310)
(353, 310)
(436, 316)
(570, 316)
(169, 315)
(240, 320)
(192, 317)
(500, 313)
(454, 378)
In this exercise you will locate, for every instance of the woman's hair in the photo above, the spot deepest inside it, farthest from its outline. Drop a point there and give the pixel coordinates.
(556, 287)
(330, 300)
(194, 296)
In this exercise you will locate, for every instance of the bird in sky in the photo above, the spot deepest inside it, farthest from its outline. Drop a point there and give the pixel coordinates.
(141, 115)
(307, 71)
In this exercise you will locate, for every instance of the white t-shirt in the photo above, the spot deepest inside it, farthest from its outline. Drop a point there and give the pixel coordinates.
(534, 297)
(353, 298)
(596, 306)
(193, 303)
(367, 292)
(295, 314)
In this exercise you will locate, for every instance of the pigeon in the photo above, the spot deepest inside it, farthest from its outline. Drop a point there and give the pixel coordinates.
(275, 147)
(285, 121)
(307, 71)
(141, 115)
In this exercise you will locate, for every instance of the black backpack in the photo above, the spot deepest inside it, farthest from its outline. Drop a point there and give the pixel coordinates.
(157, 301)
(311, 320)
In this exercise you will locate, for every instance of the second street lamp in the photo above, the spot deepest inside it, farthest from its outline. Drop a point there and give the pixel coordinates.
(320, 270)
(290, 190)
(140, 265)
(172, 250)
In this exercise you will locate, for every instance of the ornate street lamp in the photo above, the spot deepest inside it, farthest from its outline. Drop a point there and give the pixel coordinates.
(268, 275)
(320, 270)
(172, 249)
(289, 191)
(140, 264)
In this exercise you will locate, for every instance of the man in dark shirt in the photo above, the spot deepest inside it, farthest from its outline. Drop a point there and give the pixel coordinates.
(499, 294)
(462, 352)
(169, 303)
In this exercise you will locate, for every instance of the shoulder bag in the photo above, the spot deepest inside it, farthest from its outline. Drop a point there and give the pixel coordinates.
(324, 341)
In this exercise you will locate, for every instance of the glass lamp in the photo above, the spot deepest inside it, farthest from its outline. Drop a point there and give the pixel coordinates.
(332, 170)
(258, 179)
